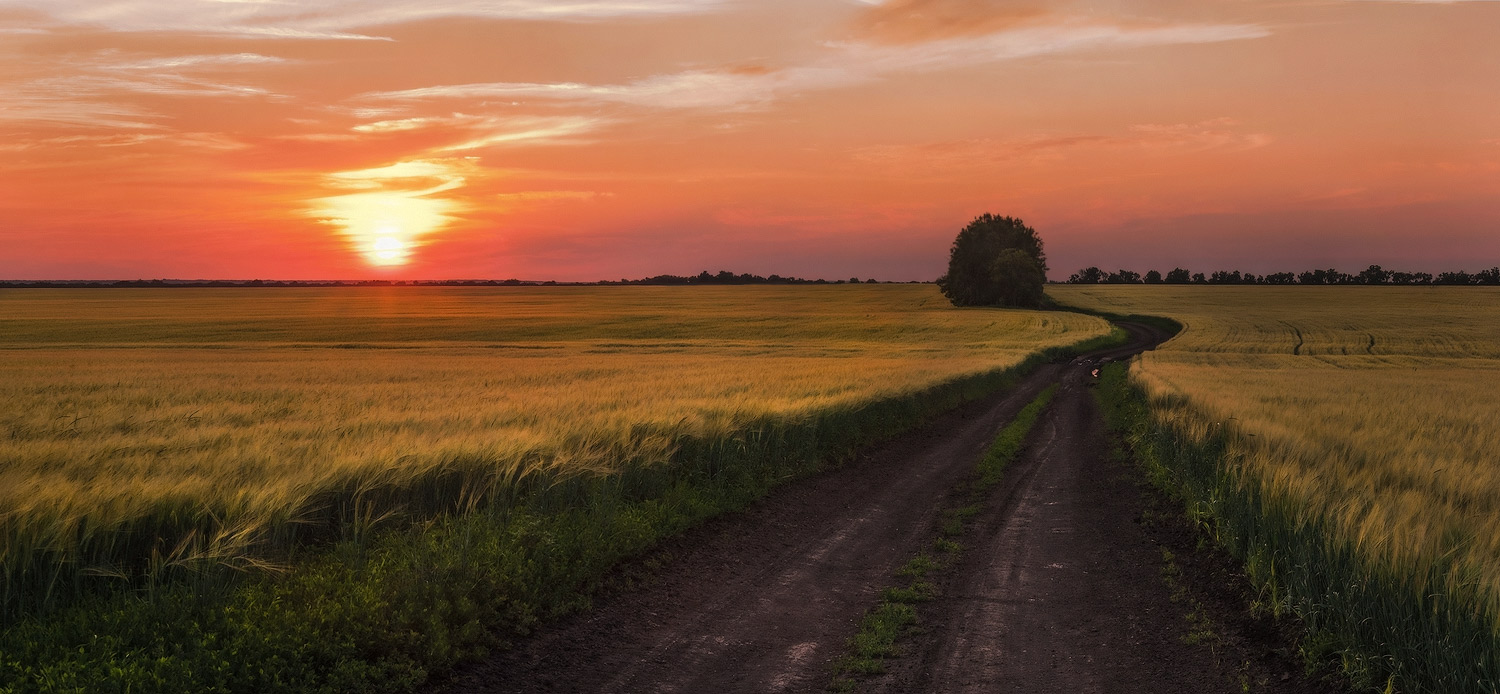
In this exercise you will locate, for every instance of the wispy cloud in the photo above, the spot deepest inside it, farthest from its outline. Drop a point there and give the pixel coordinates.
(35, 103)
(1063, 37)
(908, 21)
(527, 131)
(97, 92)
(480, 132)
(843, 64)
(185, 61)
(336, 20)
(532, 196)
(711, 89)
(1220, 134)
(400, 125)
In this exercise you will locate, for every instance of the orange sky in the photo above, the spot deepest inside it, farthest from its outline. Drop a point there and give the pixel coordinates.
(599, 139)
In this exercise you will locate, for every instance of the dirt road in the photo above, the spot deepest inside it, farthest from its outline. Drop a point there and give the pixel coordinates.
(1060, 589)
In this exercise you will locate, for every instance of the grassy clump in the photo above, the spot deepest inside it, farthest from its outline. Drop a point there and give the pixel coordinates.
(1010, 441)
(876, 639)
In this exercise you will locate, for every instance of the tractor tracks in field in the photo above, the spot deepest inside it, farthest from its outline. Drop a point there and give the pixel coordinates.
(1060, 589)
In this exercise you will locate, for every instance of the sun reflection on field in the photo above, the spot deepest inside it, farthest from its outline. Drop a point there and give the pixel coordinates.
(391, 209)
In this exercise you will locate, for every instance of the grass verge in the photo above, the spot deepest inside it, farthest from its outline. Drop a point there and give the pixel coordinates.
(884, 624)
(1377, 627)
(381, 611)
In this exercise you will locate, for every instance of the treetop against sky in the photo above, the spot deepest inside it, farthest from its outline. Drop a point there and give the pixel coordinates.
(822, 138)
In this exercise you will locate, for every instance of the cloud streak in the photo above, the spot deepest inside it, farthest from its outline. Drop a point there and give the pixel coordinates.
(338, 20)
(480, 132)
(98, 93)
(526, 131)
(844, 64)
(912, 21)
(709, 89)
(1176, 139)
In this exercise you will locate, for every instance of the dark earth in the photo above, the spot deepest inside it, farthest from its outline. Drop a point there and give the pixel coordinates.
(1065, 583)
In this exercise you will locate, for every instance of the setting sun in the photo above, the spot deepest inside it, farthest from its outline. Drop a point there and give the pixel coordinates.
(388, 250)
(394, 208)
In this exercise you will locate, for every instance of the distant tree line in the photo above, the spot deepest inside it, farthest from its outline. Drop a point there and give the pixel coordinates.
(702, 278)
(1369, 276)
(727, 277)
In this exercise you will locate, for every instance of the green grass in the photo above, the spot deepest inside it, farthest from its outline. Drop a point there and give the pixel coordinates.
(1011, 440)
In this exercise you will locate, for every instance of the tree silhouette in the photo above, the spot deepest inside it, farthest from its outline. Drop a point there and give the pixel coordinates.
(1374, 275)
(1088, 275)
(995, 261)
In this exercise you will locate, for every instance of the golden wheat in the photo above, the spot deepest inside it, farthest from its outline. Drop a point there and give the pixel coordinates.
(1375, 407)
(123, 405)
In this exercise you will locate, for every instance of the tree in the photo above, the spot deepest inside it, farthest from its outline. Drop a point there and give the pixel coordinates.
(1153, 277)
(1329, 276)
(1375, 275)
(1459, 277)
(1178, 276)
(1124, 276)
(1088, 275)
(1411, 278)
(995, 261)
(1018, 277)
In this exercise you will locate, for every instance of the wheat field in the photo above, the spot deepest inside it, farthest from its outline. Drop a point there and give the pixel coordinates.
(1373, 411)
(205, 421)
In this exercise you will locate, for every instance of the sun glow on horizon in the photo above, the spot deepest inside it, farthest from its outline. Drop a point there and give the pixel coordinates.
(395, 207)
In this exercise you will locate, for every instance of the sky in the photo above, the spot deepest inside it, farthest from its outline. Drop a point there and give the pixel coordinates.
(607, 139)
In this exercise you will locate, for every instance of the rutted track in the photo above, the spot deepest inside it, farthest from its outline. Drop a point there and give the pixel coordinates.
(1060, 591)
(763, 601)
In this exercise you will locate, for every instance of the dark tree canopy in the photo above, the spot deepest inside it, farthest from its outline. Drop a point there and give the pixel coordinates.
(1372, 275)
(995, 261)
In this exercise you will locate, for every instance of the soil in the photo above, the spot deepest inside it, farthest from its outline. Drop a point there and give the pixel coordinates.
(1062, 586)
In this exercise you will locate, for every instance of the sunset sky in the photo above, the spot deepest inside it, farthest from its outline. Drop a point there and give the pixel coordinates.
(601, 139)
